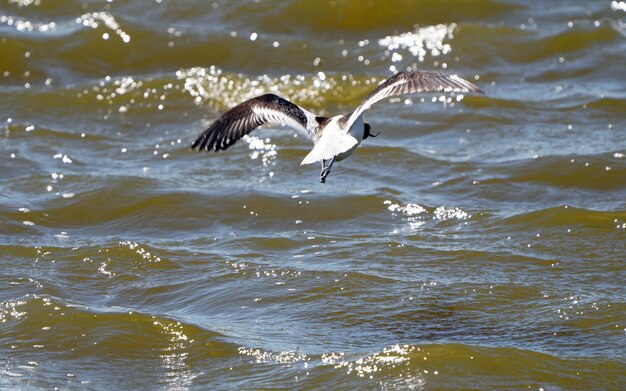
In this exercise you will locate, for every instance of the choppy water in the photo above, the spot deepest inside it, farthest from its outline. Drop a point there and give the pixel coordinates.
(478, 243)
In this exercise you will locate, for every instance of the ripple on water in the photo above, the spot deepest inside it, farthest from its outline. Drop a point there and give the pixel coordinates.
(479, 240)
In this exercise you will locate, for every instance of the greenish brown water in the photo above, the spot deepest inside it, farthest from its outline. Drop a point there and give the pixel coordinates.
(478, 243)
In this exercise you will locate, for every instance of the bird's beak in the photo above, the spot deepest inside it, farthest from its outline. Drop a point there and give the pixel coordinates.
(367, 131)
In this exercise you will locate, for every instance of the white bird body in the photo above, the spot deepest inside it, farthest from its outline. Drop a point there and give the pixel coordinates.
(335, 138)
(336, 142)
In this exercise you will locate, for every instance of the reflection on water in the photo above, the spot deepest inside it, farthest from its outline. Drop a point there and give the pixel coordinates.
(175, 355)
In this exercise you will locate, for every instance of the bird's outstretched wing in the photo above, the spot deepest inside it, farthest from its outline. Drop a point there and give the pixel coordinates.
(408, 83)
(249, 115)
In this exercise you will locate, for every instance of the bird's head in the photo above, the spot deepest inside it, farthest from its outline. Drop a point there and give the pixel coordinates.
(367, 130)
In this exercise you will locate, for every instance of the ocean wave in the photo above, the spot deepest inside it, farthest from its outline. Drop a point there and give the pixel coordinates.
(37, 324)
(415, 366)
(597, 172)
(478, 241)
(569, 216)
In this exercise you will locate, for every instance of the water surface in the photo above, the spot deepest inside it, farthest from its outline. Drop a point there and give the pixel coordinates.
(478, 243)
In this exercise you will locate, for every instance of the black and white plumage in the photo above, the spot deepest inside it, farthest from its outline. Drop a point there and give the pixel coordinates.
(249, 115)
(335, 138)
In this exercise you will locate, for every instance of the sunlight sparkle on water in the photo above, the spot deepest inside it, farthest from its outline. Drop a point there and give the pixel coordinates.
(618, 6)
(213, 85)
(93, 20)
(412, 213)
(260, 147)
(263, 356)
(443, 213)
(426, 40)
(25, 25)
(64, 158)
(393, 357)
(25, 3)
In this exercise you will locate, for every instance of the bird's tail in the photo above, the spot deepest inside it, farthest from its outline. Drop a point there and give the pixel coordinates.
(329, 147)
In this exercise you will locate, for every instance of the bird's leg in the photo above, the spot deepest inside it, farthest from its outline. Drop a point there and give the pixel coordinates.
(326, 169)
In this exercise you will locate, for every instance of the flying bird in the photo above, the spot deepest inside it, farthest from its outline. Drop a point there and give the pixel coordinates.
(334, 138)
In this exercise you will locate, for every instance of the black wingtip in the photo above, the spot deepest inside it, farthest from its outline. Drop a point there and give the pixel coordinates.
(201, 142)
(196, 144)
(207, 142)
(476, 90)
